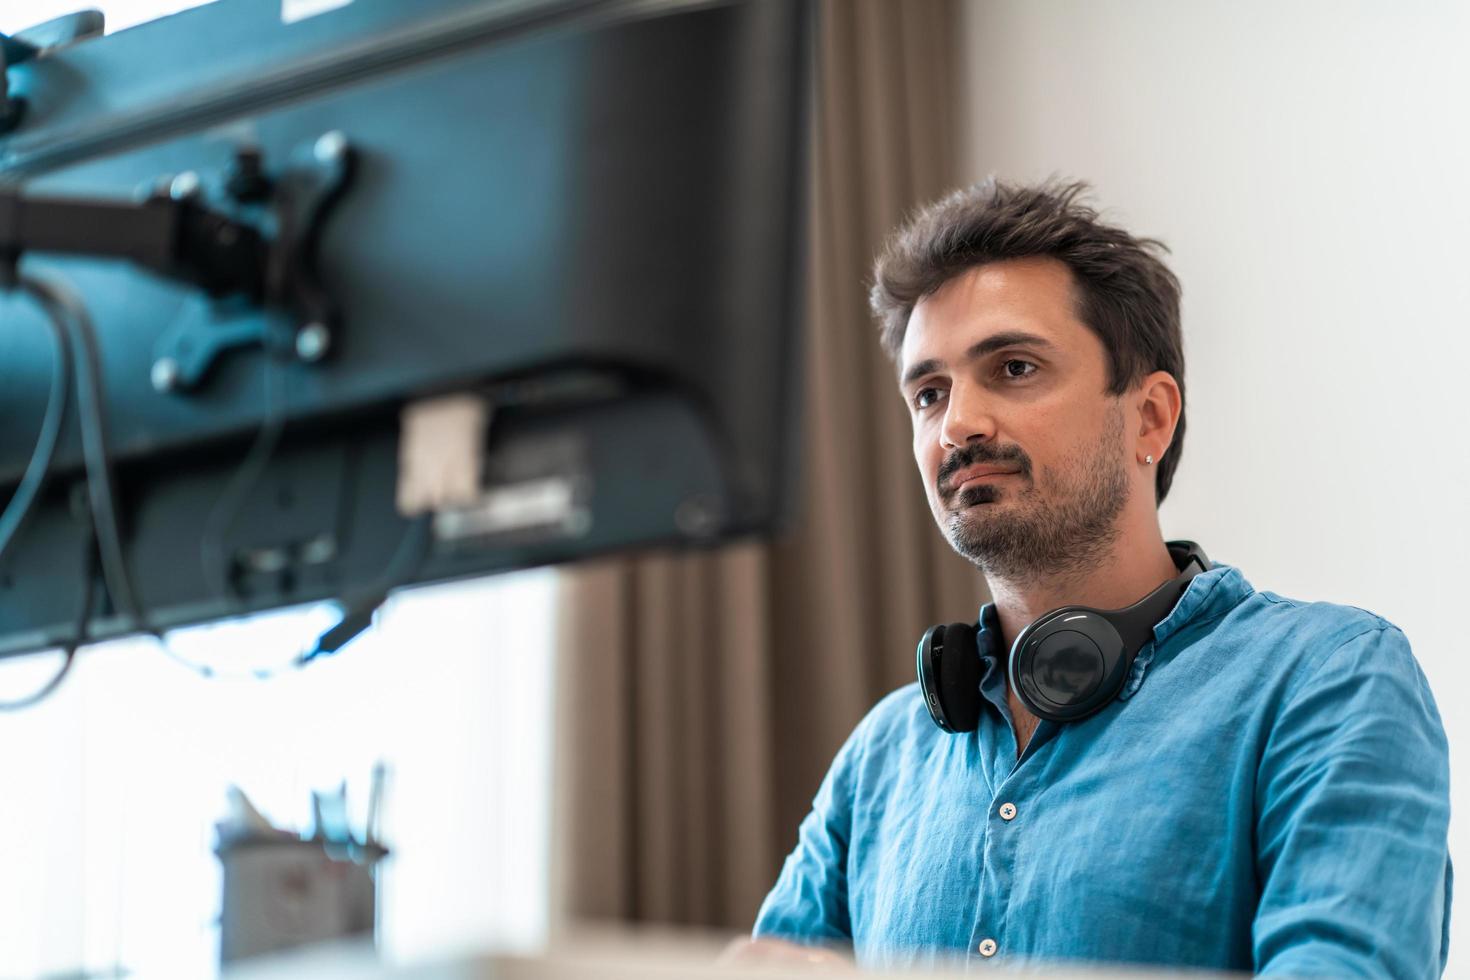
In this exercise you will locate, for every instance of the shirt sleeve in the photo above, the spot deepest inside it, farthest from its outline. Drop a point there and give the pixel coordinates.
(809, 901)
(1352, 821)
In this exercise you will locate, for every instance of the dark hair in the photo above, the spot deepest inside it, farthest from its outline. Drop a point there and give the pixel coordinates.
(1126, 295)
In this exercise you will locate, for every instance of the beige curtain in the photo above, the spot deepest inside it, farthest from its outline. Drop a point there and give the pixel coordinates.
(701, 697)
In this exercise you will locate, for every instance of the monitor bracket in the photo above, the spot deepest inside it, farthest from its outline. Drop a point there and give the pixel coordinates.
(254, 246)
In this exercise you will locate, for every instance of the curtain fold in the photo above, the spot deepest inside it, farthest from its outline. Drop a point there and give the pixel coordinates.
(702, 696)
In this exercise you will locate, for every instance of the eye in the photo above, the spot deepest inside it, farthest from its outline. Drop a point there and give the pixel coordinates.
(1014, 376)
(925, 397)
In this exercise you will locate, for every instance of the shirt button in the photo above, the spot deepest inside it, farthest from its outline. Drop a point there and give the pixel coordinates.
(987, 947)
(1008, 811)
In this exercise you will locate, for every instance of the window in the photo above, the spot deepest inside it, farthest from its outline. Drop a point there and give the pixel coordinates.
(112, 786)
(120, 14)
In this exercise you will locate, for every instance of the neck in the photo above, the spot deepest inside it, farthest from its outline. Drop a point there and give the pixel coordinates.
(1131, 568)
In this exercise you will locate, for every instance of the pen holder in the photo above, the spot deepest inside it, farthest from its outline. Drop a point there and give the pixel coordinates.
(281, 892)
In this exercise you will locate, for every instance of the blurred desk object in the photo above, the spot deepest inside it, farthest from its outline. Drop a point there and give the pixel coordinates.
(631, 956)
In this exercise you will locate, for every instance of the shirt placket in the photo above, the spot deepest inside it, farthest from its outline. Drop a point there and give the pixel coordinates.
(1004, 823)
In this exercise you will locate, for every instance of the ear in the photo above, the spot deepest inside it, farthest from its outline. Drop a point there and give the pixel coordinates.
(1158, 404)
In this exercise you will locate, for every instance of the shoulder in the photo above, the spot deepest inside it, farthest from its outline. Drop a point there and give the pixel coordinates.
(879, 743)
(896, 720)
(900, 713)
(1325, 653)
(898, 727)
(1295, 638)
(1321, 621)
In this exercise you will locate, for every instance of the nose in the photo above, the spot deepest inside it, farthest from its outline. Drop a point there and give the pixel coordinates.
(966, 418)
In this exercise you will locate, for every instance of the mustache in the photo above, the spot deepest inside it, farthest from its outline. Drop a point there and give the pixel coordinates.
(977, 454)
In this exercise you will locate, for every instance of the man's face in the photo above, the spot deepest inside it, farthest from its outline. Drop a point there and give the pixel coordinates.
(1020, 447)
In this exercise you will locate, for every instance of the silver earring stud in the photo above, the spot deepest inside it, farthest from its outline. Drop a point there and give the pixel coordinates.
(1148, 459)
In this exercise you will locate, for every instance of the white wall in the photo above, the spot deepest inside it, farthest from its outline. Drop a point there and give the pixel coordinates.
(1309, 164)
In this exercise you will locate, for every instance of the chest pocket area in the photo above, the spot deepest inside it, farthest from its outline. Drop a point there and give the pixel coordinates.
(1149, 833)
(914, 867)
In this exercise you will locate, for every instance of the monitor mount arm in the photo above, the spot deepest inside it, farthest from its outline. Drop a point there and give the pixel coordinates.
(33, 42)
(13, 51)
(256, 247)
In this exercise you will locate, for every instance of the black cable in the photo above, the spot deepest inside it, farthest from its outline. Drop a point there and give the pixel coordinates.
(212, 674)
(79, 637)
(73, 329)
(66, 310)
(60, 301)
(217, 568)
(358, 615)
(19, 509)
(22, 502)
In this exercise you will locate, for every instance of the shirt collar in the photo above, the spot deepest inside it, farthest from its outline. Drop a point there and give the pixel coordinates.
(1208, 595)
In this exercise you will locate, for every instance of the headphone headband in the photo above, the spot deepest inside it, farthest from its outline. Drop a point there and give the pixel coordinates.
(1136, 623)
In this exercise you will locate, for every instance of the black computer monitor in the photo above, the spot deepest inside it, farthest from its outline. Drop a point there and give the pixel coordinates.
(585, 217)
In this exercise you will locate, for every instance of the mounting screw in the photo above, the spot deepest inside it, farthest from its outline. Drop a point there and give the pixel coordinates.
(330, 146)
(185, 186)
(149, 189)
(165, 375)
(247, 182)
(267, 561)
(312, 342)
(698, 517)
(322, 548)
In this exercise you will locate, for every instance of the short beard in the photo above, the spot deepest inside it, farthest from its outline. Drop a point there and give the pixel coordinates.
(1057, 535)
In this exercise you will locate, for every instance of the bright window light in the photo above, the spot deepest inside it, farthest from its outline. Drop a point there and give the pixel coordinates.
(119, 14)
(113, 786)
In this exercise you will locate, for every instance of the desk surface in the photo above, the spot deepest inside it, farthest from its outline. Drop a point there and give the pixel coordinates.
(619, 956)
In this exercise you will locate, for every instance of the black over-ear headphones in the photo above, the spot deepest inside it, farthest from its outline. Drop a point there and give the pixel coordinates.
(1065, 666)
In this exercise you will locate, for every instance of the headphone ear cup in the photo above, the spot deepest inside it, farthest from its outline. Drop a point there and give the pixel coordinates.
(1068, 665)
(949, 676)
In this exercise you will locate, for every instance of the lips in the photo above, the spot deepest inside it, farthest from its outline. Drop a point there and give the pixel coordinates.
(976, 472)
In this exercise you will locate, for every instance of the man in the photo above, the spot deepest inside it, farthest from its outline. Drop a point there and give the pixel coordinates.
(1268, 790)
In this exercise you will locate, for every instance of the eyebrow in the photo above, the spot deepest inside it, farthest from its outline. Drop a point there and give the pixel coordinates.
(991, 344)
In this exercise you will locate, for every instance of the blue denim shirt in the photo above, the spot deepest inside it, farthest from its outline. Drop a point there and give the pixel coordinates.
(1270, 792)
